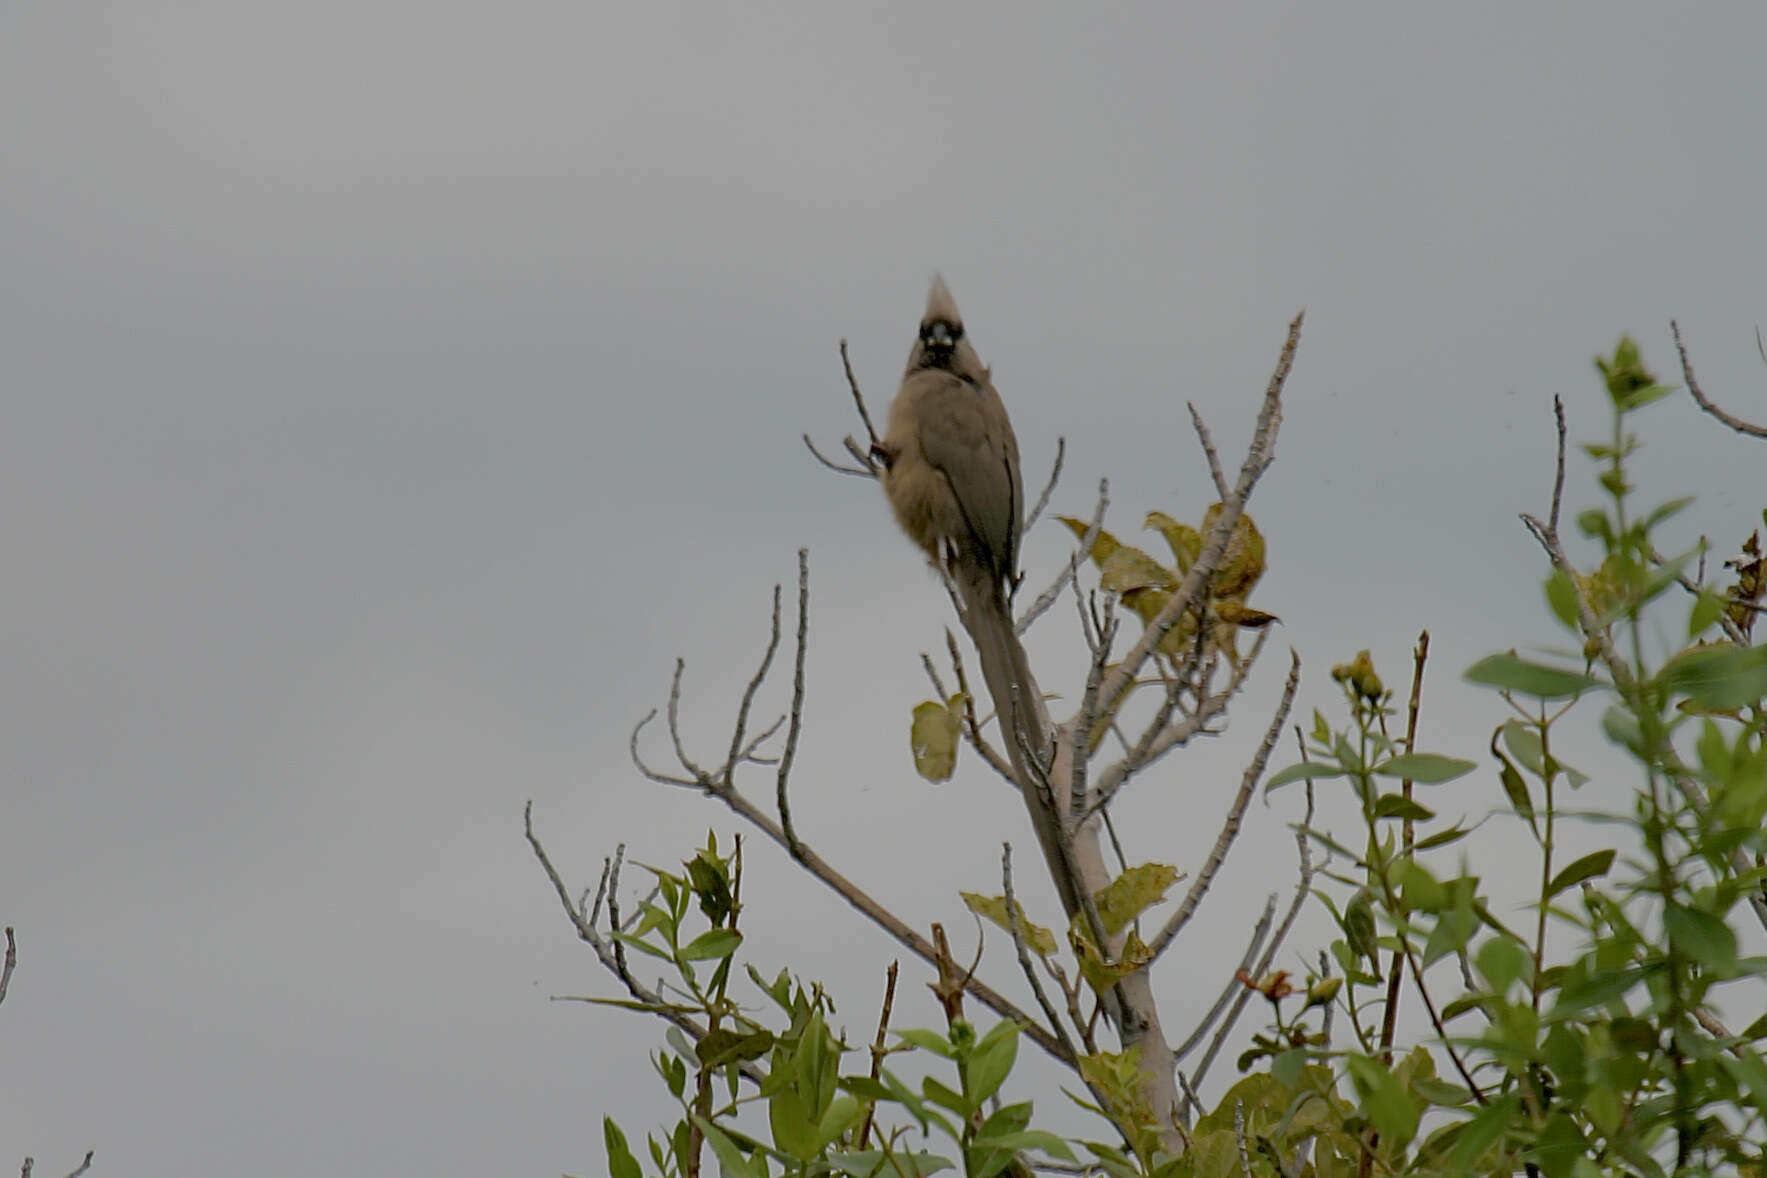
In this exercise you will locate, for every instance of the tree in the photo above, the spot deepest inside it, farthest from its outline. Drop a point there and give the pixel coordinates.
(1517, 1098)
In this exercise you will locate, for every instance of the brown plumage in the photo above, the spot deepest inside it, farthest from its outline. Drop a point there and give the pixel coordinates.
(951, 471)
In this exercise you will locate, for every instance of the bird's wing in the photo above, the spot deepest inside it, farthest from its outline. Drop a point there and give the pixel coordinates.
(973, 448)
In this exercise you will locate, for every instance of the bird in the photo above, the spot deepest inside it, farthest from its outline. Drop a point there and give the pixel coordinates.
(949, 464)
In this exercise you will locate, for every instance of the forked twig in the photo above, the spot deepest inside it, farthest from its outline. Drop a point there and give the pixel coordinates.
(1735, 423)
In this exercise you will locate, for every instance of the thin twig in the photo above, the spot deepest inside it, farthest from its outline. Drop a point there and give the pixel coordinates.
(1061, 449)
(1248, 785)
(612, 956)
(971, 725)
(877, 1045)
(1234, 986)
(1735, 423)
(1558, 478)
(1259, 455)
(754, 685)
(82, 1167)
(1303, 889)
(1071, 569)
(862, 472)
(1156, 741)
(858, 397)
(1202, 433)
(726, 792)
(1396, 970)
(1088, 717)
(797, 697)
(1731, 630)
(11, 963)
(1024, 953)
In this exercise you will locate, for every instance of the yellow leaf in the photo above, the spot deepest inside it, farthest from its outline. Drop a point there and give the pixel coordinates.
(933, 738)
(1039, 939)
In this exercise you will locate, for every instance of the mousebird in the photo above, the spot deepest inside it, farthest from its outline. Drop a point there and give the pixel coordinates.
(951, 472)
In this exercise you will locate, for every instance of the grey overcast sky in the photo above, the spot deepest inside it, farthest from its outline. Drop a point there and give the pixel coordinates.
(393, 390)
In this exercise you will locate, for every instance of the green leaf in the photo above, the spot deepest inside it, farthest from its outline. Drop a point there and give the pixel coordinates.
(1425, 768)
(1700, 935)
(711, 944)
(990, 1062)
(932, 738)
(1515, 789)
(1501, 961)
(945, 1097)
(620, 1162)
(1036, 1139)
(793, 1125)
(731, 1160)
(1478, 1134)
(928, 1041)
(1718, 678)
(1440, 1091)
(865, 1088)
(1384, 1100)
(1510, 672)
(1561, 596)
(1707, 608)
(1589, 866)
(1288, 1065)
(1132, 893)
(1594, 524)
(1038, 939)
(1317, 770)
(1444, 837)
(1400, 806)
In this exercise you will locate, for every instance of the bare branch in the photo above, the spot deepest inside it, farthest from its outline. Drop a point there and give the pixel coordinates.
(1248, 785)
(797, 695)
(877, 1046)
(1735, 423)
(675, 723)
(1731, 630)
(10, 965)
(1259, 455)
(748, 695)
(877, 913)
(1303, 889)
(1558, 478)
(638, 759)
(608, 950)
(1024, 953)
(1162, 736)
(1070, 570)
(1234, 986)
(82, 1167)
(858, 397)
(862, 472)
(1088, 719)
(1202, 434)
(1061, 450)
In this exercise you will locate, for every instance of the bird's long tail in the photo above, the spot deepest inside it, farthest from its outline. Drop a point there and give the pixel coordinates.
(1007, 672)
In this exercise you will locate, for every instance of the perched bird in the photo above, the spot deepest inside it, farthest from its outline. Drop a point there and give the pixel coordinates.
(950, 468)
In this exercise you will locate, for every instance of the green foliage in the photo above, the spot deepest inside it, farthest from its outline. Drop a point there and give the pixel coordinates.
(1587, 1043)
(1577, 1040)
